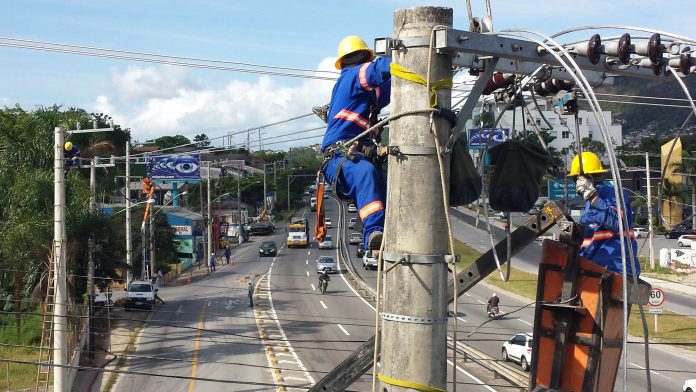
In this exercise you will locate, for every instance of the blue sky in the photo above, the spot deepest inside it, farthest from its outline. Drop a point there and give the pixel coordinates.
(155, 100)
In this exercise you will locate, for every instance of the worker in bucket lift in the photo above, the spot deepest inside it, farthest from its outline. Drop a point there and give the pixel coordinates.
(361, 91)
(71, 155)
(600, 217)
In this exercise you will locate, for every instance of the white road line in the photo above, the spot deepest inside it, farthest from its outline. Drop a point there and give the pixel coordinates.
(467, 294)
(313, 288)
(323, 304)
(307, 273)
(481, 302)
(308, 252)
(471, 376)
(522, 321)
(638, 366)
(343, 329)
(272, 264)
(461, 319)
(306, 262)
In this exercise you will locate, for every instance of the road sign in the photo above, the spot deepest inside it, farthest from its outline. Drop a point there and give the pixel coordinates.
(657, 297)
(556, 191)
(654, 310)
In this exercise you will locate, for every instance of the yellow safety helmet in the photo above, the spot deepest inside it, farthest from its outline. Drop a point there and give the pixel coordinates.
(349, 45)
(590, 165)
(68, 146)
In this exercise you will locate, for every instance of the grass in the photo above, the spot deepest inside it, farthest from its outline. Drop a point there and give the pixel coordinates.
(671, 327)
(15, 376)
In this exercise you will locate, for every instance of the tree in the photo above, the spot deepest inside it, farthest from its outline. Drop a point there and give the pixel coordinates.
(587, 144)
(202, 140)
(171, 141)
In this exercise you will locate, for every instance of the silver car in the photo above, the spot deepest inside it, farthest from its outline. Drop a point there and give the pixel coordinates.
(355, 238)
(327, 243)
(328, 264)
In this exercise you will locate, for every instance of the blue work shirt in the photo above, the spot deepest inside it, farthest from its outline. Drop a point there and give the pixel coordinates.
(359, 88)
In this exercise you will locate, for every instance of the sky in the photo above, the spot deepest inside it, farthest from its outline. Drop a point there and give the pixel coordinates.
(155, 100)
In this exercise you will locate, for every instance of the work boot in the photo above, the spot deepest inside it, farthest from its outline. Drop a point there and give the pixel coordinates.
(375, 241)
(322, 112)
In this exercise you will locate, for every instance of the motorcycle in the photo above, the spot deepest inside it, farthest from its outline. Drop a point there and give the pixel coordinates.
(493, 311)
(323, 284)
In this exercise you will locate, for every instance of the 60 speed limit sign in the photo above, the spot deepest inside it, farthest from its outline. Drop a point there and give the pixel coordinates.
(657, 297)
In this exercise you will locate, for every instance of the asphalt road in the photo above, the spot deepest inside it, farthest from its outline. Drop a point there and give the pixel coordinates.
(227, 351)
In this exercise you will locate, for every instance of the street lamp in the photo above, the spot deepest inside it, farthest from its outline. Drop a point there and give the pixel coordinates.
(148, 201)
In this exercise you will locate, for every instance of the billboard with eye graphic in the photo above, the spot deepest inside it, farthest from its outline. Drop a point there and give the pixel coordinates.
(174, 167)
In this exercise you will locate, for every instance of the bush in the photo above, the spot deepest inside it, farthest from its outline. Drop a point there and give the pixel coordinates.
(641, 220)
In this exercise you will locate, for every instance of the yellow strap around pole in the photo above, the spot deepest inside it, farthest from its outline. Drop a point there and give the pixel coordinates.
(403, 73)
(408, 384)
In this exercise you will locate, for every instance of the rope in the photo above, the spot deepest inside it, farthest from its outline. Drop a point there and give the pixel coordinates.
(408, 384)
(403, 73)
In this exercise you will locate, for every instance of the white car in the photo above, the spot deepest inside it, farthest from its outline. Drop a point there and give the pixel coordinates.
(327, 243)
(685, 240)
(369, 260)
(327, 223)
(352, 222)
(689, 385)
(519, 349)
(352, 208)
(355, 238)
(641, 232)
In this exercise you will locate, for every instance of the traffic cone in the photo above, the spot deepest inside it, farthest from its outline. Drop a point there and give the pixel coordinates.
(189, 279)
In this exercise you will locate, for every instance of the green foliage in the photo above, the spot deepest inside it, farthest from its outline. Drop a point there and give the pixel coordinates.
(171, 141)
(587, 144)
(202, 140)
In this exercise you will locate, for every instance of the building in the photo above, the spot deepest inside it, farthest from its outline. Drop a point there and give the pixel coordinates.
(188, 228)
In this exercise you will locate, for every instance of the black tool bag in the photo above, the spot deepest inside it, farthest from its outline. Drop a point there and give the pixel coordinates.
(519, 166)
(465, 180)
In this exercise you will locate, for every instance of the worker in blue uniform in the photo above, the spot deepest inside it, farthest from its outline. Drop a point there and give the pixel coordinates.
(600, 217)
(362, 89)
(71, 155)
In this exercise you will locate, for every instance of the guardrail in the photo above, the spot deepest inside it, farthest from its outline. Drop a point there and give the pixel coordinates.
(502, 370)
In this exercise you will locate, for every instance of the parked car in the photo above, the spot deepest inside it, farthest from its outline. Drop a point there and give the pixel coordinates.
(519, 349)
(327, 263)
(355, 238)
(268, 248)
(678, 231)
(360, 251)
(369, 260)
(641, 232)
(352, 222)
(141, 293)
(327, 223)
(327, 243)
(685, 240)
(689, 385)
(352, 208)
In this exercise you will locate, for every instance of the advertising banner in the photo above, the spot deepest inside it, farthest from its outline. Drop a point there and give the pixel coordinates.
(174, 167)
(479, 137)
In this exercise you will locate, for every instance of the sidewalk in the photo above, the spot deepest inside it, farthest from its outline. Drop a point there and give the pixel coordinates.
(663, 284)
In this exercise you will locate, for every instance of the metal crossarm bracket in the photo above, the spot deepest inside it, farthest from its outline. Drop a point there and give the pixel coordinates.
(413, 319)
(383, 46)
(459, 41)
(417, 259)
(412, 150)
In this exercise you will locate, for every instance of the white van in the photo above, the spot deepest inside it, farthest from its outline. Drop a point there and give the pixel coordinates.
(141, 293)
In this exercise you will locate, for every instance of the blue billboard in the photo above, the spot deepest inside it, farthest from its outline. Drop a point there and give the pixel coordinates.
(174, 167)
(558, 192)
(479, 137)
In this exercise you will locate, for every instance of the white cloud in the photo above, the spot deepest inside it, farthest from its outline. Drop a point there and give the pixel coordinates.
(157, 101)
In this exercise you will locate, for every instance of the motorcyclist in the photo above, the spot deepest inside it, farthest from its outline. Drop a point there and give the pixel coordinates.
(324, 277)
(493, 302)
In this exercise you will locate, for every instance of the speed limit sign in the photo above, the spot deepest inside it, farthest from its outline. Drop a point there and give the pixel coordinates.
(657, 297)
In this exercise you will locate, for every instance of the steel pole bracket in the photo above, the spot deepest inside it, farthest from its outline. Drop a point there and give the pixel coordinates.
(413, 319)
(418, 259)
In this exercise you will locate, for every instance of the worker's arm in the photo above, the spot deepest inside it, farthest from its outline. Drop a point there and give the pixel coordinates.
(603, 214)
(375, 74)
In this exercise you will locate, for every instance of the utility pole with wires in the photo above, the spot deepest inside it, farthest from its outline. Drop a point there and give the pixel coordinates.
(414, 315)
(129, 238)
(210, 248)
(651, 236)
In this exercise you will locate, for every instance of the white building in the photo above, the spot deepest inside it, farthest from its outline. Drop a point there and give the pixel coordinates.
(563, 127)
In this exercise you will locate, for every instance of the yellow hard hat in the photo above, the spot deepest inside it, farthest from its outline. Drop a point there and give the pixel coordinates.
(351, 44)
(68, 146)
(590, 165)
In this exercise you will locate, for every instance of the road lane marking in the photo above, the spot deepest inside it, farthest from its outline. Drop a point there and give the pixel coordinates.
(180, 310)
(308, 252)
(194, 367)
(467, 294)
(481, 302)
(307, 273)
(471, 376)
(313, 288)
(461, 319)
(323, 304)
(638, 366)
(343, 329)
(524, 322)
(307, 262)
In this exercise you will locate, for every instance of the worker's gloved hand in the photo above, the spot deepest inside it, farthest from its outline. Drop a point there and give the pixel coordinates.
(585, 187)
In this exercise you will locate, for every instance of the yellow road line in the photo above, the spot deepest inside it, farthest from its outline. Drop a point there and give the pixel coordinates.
(194, 367)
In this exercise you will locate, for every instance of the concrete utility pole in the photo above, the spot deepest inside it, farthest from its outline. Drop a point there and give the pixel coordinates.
(129, 239)
(60, 321)
(651, 237)
(414, 318)
(240, 238)
(152, 240)
(90, 254)
(210, 218)
(265, 205)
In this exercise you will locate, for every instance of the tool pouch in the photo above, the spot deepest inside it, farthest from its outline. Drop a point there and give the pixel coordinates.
(465, 180)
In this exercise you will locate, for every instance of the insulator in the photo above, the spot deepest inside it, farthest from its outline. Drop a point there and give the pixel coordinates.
(682, 63)
(620, 49)
(552, 86)
(498, 80)
(645, 62)
(592, 50)
(651, 48)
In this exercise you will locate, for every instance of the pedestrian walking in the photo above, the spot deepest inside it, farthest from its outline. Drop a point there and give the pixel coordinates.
(211, 263)
(228, 253)
(250, 290)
